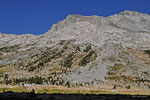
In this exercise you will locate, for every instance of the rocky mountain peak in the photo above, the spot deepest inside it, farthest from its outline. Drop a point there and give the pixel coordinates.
(82, 49)
(131, 13)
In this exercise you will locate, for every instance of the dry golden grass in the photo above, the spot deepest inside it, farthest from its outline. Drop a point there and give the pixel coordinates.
(7, 68)
(140, 55)
(82, 90)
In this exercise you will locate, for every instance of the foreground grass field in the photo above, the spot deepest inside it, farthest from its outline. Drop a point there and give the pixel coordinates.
(57, 91)
(65, 90)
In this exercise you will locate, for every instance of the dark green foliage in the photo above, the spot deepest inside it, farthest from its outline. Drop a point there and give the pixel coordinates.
(49, 54)
(68, 84)
(31, 68)
(143, 80)
(9, 48)
(87, 48)
(35, 80)
(128, 87)
(1, 55)
(78, 49)
(5, 76)
(110, 73)
(65, 47)
(88, 58)
(146, 73)
(116, 67)
(68, 61)
(115, 78)
(115, 74)
(40, 64)
(45, 57)
(147, 52)
(62, 42)
(114, 87)
(33, 91)
(54, 80)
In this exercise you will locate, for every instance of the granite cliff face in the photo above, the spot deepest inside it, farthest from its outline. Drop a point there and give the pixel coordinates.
(81, 51)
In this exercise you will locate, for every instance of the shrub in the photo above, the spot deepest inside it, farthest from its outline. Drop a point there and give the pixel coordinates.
(128, 87)
(65, 47)
(31, 68)
(68, 84)
(147, 51)
(87, 58)
(68, 61)
(114, 87)
(78, 49)
(87, 48)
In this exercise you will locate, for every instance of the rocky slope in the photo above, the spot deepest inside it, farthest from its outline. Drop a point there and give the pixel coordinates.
(81, 51)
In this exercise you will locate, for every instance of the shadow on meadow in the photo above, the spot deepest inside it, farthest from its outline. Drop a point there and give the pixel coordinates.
(9, 95)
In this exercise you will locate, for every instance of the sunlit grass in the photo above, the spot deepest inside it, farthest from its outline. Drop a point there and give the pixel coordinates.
(13, 90)
(55, 91)
(69, 91)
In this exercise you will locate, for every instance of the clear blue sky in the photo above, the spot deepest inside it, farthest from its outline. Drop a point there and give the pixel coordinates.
(37, 16)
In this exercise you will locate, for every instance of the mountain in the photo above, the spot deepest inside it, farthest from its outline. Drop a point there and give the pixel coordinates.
(81, 51)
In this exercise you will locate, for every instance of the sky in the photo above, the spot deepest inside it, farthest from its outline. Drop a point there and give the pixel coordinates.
(37, 16)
